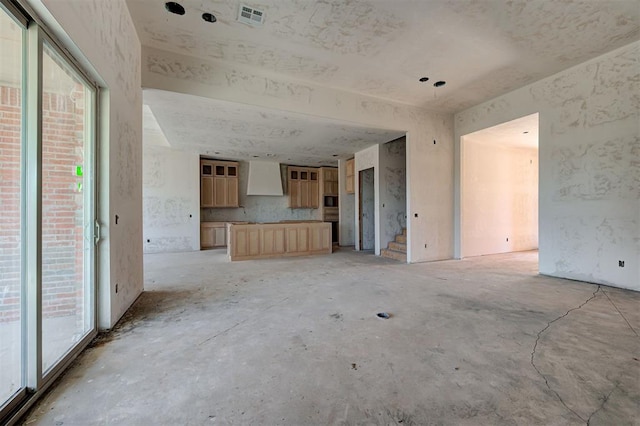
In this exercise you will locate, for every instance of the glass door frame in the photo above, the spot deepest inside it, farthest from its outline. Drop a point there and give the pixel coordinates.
(34, 380)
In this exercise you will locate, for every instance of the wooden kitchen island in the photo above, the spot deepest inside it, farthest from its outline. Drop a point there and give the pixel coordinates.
(263, 240)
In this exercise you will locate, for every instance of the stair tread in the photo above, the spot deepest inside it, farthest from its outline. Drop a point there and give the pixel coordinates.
(393, 245)
(393, 254)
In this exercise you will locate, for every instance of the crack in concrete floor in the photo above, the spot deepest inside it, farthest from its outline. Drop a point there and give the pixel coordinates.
(535, 346)
(604, 398)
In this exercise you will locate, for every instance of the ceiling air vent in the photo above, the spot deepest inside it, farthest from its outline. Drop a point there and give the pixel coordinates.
(251, 16)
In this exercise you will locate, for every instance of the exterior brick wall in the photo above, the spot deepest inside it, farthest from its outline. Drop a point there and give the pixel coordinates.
(62, 214)
(10, 157)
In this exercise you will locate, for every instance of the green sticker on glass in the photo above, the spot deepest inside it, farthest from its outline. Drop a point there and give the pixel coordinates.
(78, 170)
(79, 187)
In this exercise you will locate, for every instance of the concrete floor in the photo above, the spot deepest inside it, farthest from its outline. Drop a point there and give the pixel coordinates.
(483, 341)
(59, 335)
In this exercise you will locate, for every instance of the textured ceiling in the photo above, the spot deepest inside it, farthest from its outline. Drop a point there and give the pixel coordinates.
(241, 132)
(380, 48)
(482, 48)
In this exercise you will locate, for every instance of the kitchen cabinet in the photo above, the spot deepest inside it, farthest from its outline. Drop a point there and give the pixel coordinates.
(213, 234)
(218, 183)
(329, 180)
(263, 240)
(303, 184)
(350, 181)
(329, 195)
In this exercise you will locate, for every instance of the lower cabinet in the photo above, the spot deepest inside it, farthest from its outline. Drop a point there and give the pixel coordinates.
(273, 241)
(297, 239)
(320, 238)
(213, 234)
(254, 241)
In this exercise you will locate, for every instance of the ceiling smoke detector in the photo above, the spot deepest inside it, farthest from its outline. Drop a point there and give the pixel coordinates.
(250, 16)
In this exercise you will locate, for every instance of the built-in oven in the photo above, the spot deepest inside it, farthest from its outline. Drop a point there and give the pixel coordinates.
(331, 201)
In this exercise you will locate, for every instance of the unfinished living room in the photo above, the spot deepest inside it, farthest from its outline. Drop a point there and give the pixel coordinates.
(297, 212)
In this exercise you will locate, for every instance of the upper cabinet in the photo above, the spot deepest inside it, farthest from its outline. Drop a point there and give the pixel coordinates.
(218, 183)
(349, 183)
(329, 181)
(303, 183)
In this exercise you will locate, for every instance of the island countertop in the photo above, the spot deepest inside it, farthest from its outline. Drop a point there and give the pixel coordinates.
(278, 239)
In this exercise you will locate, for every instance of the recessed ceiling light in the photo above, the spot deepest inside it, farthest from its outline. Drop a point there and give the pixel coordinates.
(439, 83)
(423, 79)
(174, 7)
(209, 17)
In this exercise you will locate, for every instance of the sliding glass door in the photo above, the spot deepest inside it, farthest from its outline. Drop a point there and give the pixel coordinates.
(47, 205)
(11, 200)
(66, 203)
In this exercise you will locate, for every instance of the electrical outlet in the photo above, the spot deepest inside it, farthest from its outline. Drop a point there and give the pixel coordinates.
(621, 263)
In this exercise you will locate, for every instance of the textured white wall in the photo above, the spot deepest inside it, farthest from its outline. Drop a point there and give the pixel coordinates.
(102, 37)
(429, 165)
(171, 200)
(589, 154)
(499, 199)
(393, 190)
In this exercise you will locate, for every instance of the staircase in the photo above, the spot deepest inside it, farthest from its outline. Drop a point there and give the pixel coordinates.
(397, 249)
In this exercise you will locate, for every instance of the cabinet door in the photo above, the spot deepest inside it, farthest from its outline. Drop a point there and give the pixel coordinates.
(297, 239)
(206, 191)
(320, 238)
(239, 244)
(219, 236)
(304, 193)
(303, 239)
(253, 241)
(294, 194)
(327, 187)
(206, 237)
(349, 184)
(314, 196)
(350, 167)
(232, 192)
(219, 192)
(273, 241)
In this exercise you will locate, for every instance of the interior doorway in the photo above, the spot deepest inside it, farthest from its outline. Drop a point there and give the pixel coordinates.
(499, 188)
(367, 205)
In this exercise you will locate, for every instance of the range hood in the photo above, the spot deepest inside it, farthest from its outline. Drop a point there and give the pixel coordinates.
(264, 178)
